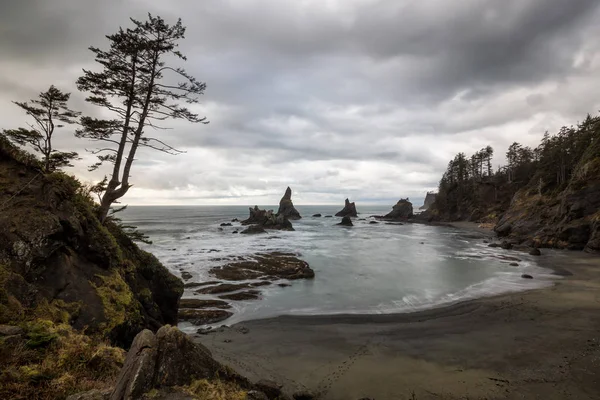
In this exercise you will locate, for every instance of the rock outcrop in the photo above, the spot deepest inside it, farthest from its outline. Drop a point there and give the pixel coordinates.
(346, 221)
(429, 200)
(402, 211)
(168, 359)
(54, 250)
(349, 210)
(267, 220)
(286, 207)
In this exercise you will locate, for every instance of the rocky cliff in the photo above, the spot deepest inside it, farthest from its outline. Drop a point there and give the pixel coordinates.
(429, 200)
(566, 219)
(71, 286)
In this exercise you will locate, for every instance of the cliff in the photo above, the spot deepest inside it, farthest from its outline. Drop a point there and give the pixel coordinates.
(545, 197)
(564, 219)
(70, 286)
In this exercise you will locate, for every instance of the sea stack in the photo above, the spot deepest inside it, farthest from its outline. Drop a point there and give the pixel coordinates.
(401, 211)
(286, 207)
(429, 200)
(349, 210)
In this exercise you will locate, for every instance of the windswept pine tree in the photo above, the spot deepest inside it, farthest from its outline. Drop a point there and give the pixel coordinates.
(139, 88)
(49, 112)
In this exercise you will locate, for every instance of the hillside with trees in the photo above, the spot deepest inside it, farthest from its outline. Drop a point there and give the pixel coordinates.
(548, 196)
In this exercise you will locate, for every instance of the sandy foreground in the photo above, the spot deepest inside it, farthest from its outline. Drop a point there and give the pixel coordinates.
(540, 344)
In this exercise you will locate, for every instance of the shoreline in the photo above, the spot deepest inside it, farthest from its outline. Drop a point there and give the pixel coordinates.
(539, 342)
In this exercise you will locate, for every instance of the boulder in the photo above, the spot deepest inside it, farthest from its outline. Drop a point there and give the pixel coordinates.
(401, 211)
(137, 375)
(253, 229)
(506, 245)
(349, 210)
(373, 222)
(526, 276)
(316, 215)
(346, 221)
(286, 207)
(535, 252)
(166, 359)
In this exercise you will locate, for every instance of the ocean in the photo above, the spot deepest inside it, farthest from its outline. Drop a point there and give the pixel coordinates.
(368, 268)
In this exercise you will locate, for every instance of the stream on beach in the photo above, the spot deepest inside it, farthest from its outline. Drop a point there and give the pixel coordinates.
(367, 268)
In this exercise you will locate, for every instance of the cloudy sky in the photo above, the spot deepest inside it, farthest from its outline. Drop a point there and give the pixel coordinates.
(366, 99)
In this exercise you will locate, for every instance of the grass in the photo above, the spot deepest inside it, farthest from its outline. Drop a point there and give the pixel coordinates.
(216, 389)
(54, 361)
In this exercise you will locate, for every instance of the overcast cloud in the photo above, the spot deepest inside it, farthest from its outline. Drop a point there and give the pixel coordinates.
(366, 99)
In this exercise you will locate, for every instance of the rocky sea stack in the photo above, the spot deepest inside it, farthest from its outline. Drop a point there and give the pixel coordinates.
(402, 211)
(286, 207)
(267, 220)
(349, 210)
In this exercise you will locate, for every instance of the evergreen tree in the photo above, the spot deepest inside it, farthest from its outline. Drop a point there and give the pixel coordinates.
(136, 86)
(49, 112)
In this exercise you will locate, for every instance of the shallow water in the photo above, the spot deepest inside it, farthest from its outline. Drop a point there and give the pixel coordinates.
(368, 268)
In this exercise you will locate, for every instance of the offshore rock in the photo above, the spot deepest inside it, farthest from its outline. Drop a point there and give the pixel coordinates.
(286, 207)
(346, 221)
(268, 220)
(403, 210)
(349, 210)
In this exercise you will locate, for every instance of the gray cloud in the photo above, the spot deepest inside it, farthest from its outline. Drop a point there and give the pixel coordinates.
(368, 98)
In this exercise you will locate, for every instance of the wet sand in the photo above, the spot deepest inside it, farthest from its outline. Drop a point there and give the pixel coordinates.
(541, 344)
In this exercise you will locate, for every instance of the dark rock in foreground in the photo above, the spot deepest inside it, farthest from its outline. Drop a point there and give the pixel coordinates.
(346, 221)
(165, 360)
(286, 207)
(349, 210)
(279, 265)
(253, 230)
(317, 215)
(526, 276)
(401, 211)
(535, 252)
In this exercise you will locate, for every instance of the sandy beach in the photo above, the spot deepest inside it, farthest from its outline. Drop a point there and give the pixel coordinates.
(540, 344)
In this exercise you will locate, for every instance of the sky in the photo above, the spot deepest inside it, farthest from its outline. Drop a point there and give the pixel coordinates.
(366, 99)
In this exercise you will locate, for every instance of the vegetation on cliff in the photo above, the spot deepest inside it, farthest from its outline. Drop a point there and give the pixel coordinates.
(548, 196)
(70, 287)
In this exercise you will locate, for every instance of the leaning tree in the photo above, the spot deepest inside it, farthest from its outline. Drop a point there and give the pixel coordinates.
(139, 88)
(49, 112)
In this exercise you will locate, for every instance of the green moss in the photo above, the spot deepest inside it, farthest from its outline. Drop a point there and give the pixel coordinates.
(117, 299)
(40, 333)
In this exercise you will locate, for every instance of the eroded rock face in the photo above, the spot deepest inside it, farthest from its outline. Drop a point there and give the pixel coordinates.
(286, 207)
(401, 211)
(349, 210)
